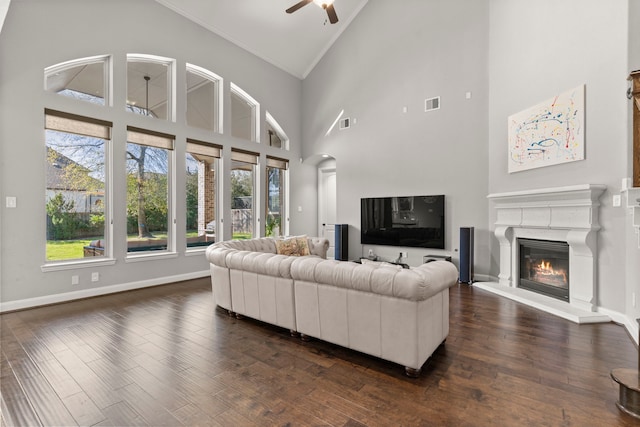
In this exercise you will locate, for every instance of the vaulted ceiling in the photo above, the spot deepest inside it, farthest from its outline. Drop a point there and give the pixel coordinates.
(293, 42)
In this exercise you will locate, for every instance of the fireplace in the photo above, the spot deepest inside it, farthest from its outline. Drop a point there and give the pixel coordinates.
(544, 267)
(563, 214)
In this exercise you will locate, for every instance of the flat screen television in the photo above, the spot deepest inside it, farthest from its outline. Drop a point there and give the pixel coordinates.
(414, 221)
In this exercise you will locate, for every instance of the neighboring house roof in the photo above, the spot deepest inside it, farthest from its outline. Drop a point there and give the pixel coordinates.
(58, 178)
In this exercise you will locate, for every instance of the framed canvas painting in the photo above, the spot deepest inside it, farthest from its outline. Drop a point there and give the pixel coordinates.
(549, 133)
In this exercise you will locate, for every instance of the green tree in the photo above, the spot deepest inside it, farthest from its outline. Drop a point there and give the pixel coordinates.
(147, 169)
(192, 200)
(63, 219)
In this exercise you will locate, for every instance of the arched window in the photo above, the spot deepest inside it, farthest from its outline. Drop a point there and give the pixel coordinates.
(86, 79)
(150, 88)
(204, 109)
(275, 136)
(245, 112)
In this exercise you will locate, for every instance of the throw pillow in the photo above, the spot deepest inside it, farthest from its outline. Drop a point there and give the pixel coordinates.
(287, 246)
(303, 246)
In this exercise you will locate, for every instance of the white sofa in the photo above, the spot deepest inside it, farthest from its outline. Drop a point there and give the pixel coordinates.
(400, 315)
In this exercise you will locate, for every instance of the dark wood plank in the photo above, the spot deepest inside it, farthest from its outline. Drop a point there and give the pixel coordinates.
(167, 356)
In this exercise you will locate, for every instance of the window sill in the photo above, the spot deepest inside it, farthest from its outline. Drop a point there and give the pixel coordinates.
(151, 256)
(77, 263)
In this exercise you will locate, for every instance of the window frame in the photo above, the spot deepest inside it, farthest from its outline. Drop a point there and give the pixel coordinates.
(64, 122)
(253, 159)
(213, 151)
(155, 139)
(107, 74)
(282, 165)
(255, 111)
(170, 63)
(280, 133)
(218, 82)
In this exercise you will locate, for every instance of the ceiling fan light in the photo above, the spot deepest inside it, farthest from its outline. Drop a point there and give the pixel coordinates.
(323, 3)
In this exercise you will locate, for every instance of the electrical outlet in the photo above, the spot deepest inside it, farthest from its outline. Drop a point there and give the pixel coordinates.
(95, 276)
(616, 200)
(75, 280)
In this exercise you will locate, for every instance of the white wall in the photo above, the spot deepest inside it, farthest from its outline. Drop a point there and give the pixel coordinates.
(393, 56)
(543, 48)
(38, 33)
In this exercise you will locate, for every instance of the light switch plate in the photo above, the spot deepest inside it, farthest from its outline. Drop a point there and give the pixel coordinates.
(616, 200)
(12, 202)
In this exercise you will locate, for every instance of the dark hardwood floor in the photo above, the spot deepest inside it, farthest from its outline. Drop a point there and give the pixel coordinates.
(166, 356)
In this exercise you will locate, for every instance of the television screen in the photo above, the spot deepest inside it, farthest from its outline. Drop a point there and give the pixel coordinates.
(414, 221)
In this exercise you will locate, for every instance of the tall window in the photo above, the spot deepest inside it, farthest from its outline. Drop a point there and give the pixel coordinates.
(75, 196)
(276, 181)
(201, 169)
(85, 79)
(203, 99)
(243, 170)
(275, 136)
(149, 86)
(245, 113)
(149, 212)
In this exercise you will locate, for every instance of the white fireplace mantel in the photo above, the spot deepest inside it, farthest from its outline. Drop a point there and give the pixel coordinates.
(568, 214)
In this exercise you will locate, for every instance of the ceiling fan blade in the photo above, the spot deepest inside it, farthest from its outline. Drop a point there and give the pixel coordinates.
(298, 6)
(333, 17)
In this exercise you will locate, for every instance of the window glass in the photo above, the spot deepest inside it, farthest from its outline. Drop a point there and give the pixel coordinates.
(84, 79)
(148, 158)
(202, 99)
(201, 169)
(244, 115)
(275, 136)
(242, 194)
(75, 190)
(148, 86)
(275, 203)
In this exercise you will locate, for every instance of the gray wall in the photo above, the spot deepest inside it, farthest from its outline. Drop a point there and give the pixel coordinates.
(542, 48)
(39, 33)
(633, 238)
(393, 56)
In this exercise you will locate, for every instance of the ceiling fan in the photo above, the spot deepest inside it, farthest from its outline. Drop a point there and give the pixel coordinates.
(326, 5)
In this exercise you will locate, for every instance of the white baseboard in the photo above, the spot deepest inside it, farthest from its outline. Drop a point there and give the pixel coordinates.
(94, 292)
(631, 325)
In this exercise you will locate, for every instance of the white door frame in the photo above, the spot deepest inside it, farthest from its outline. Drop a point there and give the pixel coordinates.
(325, 225)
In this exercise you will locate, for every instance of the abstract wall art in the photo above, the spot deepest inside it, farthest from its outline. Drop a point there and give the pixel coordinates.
(549, 133)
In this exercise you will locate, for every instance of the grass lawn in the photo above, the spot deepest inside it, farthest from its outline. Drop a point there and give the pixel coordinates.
(58, 250)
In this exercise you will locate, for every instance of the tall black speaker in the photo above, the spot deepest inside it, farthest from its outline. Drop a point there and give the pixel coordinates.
(342, 242)
(466, 255)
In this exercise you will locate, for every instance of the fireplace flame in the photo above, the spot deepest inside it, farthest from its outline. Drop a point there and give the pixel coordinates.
(546, 269)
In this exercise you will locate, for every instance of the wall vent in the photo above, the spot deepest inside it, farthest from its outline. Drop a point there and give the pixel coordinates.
(432, 104)
(345, 123)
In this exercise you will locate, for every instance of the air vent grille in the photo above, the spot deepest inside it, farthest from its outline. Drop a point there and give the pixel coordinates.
(345, 123)
(432, 104)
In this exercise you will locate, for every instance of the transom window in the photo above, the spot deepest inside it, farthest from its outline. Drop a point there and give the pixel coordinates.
(149, 88)
(85, 79)
(244, 115)
(203, 99)
(275, 135)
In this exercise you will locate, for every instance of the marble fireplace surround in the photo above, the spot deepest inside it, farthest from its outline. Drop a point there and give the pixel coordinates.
(568, 214)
